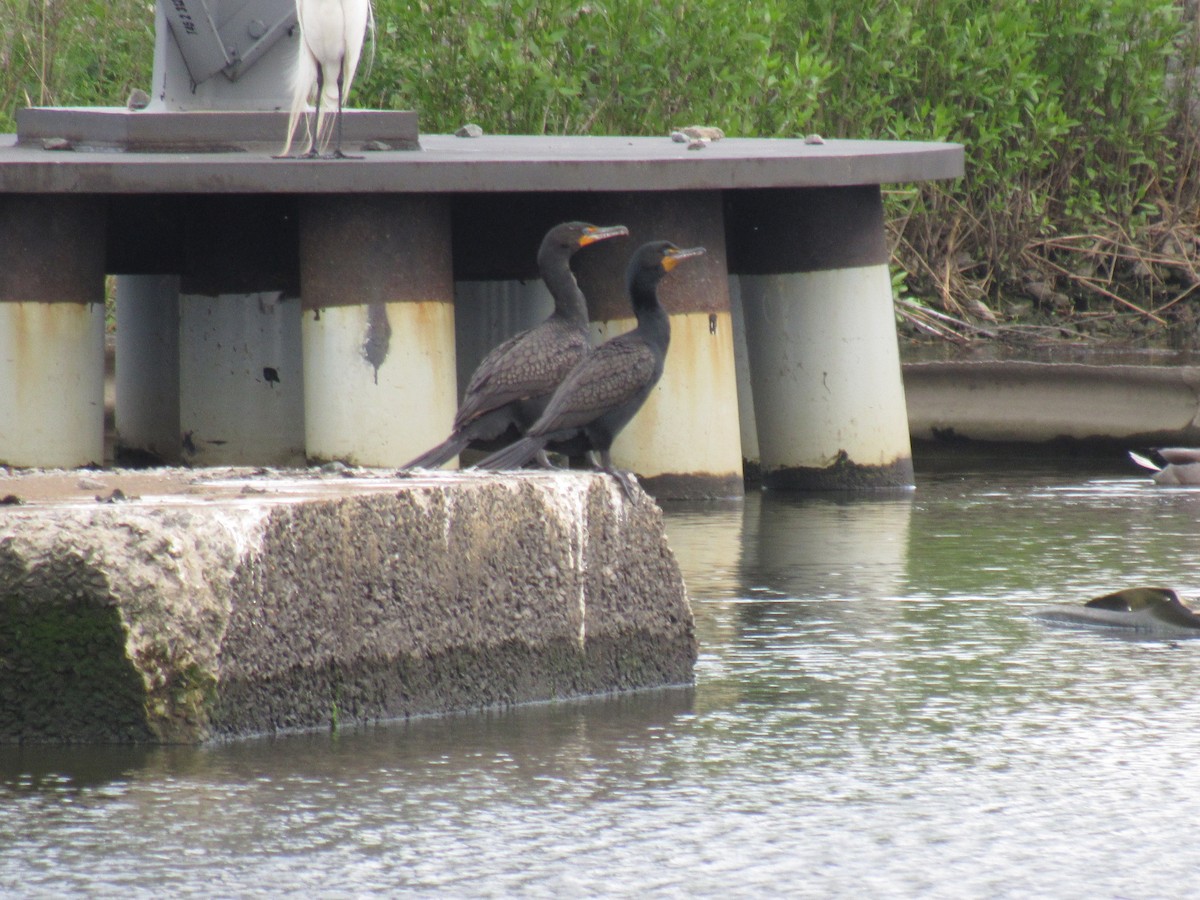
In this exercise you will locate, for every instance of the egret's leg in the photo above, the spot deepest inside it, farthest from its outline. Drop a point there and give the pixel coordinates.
(313, 151)
(337, 150)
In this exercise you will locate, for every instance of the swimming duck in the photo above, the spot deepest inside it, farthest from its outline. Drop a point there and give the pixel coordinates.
(1171, 465)
(1151, 610)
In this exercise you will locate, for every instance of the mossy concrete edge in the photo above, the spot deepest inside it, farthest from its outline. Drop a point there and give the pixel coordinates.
(223, 614)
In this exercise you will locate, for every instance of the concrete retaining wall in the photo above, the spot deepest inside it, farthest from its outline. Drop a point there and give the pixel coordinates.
(1035, 402)
(247, 604)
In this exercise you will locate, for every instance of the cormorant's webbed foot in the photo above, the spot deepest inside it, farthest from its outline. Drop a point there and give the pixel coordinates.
(543, 460)
(628, 482)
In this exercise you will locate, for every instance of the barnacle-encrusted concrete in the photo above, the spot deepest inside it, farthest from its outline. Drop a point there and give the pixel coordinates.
(235, 602)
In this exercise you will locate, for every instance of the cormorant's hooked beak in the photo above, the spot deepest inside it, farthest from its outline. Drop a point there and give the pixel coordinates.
(675, 256)
(594, 234)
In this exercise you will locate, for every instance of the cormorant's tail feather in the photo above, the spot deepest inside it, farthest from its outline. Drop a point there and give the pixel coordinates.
(514, 455)
(441, 454)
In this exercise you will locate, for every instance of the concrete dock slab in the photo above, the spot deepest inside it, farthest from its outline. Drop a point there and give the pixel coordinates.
(489, 164)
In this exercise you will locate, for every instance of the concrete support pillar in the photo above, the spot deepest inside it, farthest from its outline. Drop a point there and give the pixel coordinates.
(147, 376)
(241, 387)
(240, 383)
(487, 313)
(378, 326)
(684, 443)
(821, 338)
(751, 459)
(51, 330)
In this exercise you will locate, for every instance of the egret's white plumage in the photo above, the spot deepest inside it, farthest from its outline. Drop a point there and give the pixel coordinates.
(331, 39)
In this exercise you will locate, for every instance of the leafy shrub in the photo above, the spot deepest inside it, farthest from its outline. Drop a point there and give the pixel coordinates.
(72, 53)
(557, 66)
(1064, 106)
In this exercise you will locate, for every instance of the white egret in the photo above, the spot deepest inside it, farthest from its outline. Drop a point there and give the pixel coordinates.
(331, 39)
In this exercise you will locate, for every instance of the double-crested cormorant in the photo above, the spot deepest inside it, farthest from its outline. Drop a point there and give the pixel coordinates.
(512, 385)
(331, 38)
(611, 383)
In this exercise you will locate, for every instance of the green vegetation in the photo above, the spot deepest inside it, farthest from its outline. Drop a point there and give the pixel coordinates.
(72, 53)
(1077, 115)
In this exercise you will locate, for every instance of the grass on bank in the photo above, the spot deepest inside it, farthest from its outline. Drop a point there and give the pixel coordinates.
(1079, 118)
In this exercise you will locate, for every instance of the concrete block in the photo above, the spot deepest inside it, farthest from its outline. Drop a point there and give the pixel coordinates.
(240, 602)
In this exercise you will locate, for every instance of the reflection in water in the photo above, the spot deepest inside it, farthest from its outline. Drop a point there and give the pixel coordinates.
(1050, 539)
(400, 793)
(708, 545)
(874, 714)
(831, 547)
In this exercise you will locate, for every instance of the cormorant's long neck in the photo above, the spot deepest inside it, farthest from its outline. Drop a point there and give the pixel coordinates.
(569, 302)
(652, 319)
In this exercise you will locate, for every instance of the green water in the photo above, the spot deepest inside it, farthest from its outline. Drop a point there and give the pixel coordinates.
(875, 715)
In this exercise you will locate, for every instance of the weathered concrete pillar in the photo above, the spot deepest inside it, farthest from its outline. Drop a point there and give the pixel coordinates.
(147, 376)
(51, 330)
(241, 388)
(241, 382)
(821, 337)
(378, 326)
(684, 443)
(751, 458)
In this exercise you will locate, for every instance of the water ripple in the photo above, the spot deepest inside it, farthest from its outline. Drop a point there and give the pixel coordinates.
(875, 714)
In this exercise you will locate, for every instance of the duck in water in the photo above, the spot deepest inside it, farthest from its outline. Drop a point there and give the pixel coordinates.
(1171, 465)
